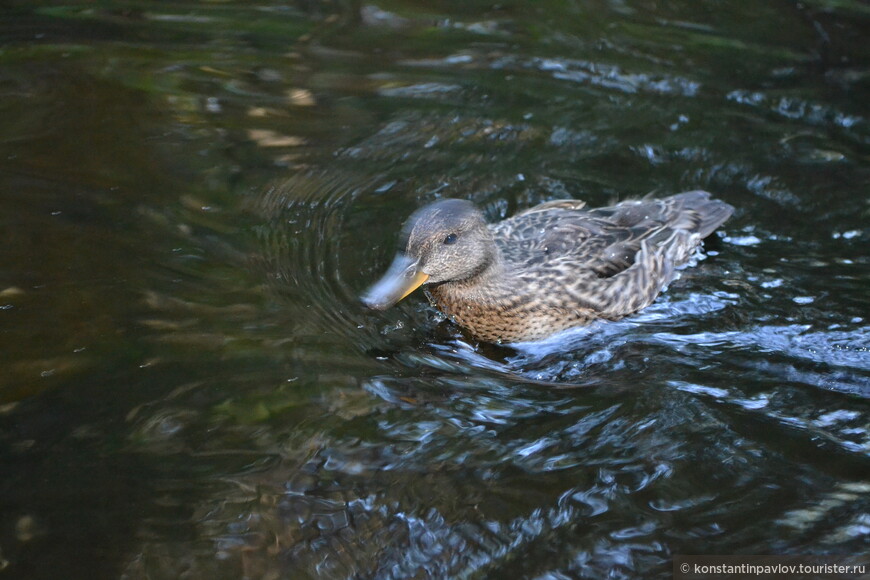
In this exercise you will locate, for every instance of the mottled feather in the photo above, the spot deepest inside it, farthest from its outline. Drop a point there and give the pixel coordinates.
(554, 266)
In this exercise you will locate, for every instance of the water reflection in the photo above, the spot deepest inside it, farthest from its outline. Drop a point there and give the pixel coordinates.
(194, 197)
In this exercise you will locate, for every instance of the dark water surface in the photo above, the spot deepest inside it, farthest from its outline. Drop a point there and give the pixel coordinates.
(192, 195)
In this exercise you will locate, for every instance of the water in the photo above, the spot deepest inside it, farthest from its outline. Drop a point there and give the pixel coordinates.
(192, 196)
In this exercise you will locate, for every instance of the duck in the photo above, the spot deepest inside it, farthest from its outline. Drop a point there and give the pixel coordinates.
(550, 268)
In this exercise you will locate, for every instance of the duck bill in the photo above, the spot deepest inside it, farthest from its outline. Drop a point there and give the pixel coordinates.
(401, 279)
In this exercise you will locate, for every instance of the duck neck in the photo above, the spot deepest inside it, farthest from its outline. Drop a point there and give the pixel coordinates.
(488, 273)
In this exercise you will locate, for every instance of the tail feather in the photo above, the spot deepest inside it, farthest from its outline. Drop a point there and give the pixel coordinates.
(712, 212)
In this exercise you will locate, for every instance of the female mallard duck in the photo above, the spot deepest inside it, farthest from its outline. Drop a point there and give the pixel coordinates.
(552, 267)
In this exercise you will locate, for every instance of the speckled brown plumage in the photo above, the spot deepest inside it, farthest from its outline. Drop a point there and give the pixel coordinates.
(550, 268)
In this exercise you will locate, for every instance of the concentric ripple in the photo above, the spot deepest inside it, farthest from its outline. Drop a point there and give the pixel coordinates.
(302, 247)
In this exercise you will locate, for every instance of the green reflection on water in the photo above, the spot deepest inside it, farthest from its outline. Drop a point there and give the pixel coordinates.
(192, 195)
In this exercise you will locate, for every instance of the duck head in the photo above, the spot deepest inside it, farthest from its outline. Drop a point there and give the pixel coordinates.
(446, 241)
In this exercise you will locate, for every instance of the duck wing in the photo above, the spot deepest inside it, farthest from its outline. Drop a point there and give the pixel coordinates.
(607, 241)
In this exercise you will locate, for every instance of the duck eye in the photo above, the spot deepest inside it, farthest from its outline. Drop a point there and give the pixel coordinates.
(450, 239)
